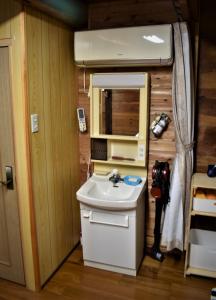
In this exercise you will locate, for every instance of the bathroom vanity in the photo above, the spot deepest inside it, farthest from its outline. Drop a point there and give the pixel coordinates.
(112, 220)
(112, 215)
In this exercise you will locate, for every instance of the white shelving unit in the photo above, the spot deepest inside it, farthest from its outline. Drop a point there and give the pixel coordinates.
(199, 180)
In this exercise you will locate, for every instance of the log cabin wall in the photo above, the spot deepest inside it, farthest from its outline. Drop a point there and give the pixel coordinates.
(162, 149)
(111, 14)
(117, 13)
(206, 94)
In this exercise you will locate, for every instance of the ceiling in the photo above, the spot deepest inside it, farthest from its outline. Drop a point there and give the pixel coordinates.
(78, 13)
(73, 12)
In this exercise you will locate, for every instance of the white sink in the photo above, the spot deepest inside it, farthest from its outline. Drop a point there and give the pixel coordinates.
(98, 191)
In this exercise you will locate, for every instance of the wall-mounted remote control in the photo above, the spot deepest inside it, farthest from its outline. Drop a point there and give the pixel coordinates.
(81, 119)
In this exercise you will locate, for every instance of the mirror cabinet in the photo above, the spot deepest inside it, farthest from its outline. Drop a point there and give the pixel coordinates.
(119, 122)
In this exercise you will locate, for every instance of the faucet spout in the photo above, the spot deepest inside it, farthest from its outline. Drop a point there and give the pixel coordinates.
(115, 177)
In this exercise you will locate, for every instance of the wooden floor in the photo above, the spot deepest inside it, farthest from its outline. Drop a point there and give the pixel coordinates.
(154, 281)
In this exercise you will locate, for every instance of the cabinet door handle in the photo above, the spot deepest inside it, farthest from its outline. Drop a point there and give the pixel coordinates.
(110, 223)
(86, 215)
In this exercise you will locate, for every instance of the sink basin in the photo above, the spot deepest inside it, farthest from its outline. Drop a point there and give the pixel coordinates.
(98, 191)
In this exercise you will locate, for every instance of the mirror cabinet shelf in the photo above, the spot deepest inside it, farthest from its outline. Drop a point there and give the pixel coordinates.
(116, 137)
(120, 162)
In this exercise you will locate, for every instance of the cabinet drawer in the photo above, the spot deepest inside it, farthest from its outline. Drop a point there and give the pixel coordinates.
(205, 205)
(202, 249)
(205, 200)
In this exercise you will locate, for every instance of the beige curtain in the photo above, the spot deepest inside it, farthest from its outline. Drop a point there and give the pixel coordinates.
(177, 210)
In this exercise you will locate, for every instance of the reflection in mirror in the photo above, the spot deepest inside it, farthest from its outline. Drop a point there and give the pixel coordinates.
(119, 111)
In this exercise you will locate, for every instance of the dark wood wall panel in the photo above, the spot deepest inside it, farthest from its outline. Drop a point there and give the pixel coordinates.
(84, 138)
(206, 102)
(123, 13)
(108, 14)
(160, 101)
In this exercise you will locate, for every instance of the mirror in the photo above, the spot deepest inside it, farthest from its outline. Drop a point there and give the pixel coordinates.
(119, 111)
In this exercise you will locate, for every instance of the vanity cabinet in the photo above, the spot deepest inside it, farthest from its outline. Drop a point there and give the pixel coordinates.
(119, 116)
(113, 240)
(200, 244)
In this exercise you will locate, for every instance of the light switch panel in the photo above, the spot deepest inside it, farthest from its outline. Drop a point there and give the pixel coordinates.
(34, 123)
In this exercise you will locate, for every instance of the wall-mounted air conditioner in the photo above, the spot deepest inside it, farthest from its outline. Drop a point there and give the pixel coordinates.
(132, 46)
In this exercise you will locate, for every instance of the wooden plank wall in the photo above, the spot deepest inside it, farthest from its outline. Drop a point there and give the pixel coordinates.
(162, 149)
(54, 149)
(107, 14)
(206, 100)
(122, 13)
(118, 13)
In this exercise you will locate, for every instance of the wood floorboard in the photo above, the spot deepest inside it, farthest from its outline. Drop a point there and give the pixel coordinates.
(154, 281)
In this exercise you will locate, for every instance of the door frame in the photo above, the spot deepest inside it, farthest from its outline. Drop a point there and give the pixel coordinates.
(18, 83)
(14, 263)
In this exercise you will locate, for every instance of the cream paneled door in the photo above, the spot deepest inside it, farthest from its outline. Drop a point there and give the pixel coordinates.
(11, 263)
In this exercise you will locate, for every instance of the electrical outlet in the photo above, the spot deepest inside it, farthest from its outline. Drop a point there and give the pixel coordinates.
(141, 152)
